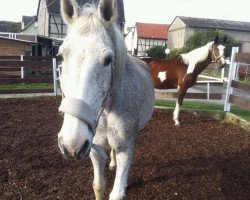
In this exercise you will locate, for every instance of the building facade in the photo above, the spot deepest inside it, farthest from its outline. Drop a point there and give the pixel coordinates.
(16, 47)
(32, 45)
(182, 28)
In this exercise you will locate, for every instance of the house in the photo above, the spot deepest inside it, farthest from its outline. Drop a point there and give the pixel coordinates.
(182, 28)
(41, 35)
(49, 21)
(15, 47)
(144, 36)
(16, 44)
(29, 25)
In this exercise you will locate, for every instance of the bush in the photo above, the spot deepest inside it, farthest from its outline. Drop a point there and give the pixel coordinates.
(156, 52)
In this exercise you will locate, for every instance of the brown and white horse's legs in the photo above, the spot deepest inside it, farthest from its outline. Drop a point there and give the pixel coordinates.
(176, 113)
(99, 183)
(112, 163)
(181, 93)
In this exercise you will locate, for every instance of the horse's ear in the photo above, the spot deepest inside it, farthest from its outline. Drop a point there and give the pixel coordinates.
(69, 11)
(224, 40)
(216, 39)
(107, 11)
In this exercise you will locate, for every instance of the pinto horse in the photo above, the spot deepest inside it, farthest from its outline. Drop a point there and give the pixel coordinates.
(182, 71)
(108, 94)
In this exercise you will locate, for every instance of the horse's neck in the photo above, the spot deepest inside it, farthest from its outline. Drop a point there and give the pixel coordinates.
(198, 59)
(203, 64)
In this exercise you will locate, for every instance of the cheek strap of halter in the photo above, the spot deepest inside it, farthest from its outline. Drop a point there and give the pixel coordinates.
(79, 109)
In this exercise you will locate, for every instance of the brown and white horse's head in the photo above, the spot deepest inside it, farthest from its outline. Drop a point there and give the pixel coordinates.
(218, 52)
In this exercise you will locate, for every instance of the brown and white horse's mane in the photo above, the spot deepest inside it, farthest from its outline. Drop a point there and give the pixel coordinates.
(197, 55)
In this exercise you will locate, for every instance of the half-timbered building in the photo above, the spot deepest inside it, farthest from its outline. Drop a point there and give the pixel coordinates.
(145, 36)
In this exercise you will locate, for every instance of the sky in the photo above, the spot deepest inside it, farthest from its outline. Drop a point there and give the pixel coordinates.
(149, 11)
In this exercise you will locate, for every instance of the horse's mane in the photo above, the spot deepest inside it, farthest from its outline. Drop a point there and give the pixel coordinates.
(88, 21)
(197, 55)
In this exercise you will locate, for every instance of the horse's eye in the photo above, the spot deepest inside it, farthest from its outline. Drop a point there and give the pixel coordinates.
(107, 60)
(59, 57)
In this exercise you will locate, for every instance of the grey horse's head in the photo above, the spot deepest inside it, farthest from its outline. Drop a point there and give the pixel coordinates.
(88, 53)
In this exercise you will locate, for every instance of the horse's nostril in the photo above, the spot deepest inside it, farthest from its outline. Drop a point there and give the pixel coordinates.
(63, 149)
(78, 154)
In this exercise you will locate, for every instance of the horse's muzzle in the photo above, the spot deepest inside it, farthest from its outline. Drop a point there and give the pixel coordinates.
(221, 66)
(78, 153)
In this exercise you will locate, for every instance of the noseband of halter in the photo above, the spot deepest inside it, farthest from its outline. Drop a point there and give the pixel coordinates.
(81, 110)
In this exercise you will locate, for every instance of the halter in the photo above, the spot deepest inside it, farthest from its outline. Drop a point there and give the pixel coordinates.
(81, 110)
(214, 57)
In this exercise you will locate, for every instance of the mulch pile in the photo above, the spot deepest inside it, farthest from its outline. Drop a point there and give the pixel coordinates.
(202, 159)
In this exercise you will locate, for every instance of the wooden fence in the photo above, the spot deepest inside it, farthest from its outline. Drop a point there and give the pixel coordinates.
(26, 70)
(231, 98)
(30, 69)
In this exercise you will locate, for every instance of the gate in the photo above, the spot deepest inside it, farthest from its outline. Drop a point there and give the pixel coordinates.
(243, 100)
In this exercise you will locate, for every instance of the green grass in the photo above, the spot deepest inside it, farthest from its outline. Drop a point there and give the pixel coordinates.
(26, 86)
(244, 114)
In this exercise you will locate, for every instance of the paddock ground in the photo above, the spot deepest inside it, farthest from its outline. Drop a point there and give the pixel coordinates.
(204, 158)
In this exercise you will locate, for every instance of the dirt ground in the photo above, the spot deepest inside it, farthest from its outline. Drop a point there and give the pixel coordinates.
(202, 159)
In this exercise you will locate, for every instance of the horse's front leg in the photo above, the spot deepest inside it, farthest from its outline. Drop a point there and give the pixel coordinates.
(176, 113)
(182, 90)
(112, 163)
(99, 183)
(124, 160)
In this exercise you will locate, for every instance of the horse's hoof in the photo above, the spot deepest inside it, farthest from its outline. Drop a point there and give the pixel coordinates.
(177, 124)
(117, 197)
(112, 167)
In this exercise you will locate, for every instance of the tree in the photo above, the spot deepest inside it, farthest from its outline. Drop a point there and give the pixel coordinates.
(175, 52)
(156, 52)
(11, 27)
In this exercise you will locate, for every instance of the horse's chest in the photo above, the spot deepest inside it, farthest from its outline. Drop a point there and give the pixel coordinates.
(115, 131)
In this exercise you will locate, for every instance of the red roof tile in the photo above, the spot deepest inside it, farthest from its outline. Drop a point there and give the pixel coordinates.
(156, 31)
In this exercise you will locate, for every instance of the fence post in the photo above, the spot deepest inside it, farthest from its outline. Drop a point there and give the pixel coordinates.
(208, 91)
(231, 76)
(22, 69)
(54, 76)
(222, 74)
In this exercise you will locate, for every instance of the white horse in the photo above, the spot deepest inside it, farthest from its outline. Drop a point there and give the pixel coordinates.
(109, 95)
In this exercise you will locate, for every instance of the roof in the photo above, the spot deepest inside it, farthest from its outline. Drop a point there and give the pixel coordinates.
(18, 40)
(28, 20)
(215, 23)
(156, 31)
(54, 7)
